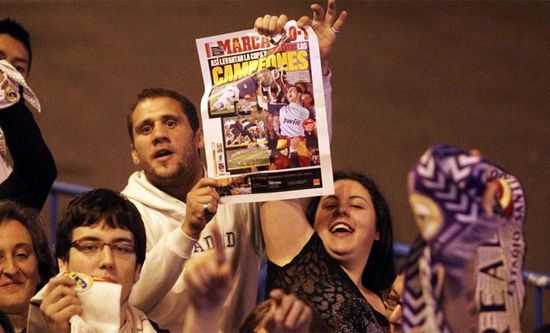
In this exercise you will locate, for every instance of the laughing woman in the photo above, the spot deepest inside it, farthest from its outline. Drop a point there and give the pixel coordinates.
(338, 258)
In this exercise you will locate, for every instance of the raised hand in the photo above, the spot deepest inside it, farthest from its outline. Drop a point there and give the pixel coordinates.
(208, 278)
(60, 303)
(289, 314)
(325, 24)
(270, 25)
(201, 206)
(326, 27)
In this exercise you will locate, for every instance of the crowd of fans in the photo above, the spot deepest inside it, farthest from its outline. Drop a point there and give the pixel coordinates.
(163, 255)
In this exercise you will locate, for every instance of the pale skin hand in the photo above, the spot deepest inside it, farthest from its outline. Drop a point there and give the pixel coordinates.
(208, 278)
(324, 24)
(204, 192)
(60, 303)
(290, 314)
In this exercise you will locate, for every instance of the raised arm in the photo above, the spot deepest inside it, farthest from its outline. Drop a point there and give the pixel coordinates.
(34, 168)
(285, 228)
(167, 257)
(327, 25)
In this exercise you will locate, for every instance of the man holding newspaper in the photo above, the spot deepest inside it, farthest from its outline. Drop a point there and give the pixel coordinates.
(173, 197)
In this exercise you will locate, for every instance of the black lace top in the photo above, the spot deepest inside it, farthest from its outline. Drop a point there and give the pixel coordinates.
(319, 280)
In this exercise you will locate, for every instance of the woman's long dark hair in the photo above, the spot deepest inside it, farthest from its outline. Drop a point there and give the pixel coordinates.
(379, 271)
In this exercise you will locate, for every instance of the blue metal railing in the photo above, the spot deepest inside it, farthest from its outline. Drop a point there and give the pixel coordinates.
(537, 280)
(60, 188)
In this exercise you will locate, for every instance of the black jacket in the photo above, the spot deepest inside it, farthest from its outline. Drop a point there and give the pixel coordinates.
(34, 168)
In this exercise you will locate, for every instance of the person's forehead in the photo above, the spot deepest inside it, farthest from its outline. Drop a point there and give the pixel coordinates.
(350, 187)
(154, 107)
(13, 48)
(102, 232)
(14, 231)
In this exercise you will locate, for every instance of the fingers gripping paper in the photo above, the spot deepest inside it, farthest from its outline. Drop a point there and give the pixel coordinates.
(100, 305)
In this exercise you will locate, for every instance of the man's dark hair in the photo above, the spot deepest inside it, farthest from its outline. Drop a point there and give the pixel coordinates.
(187, 107)
(93, 207)
(298, 88)
(17, 32)
(28, 217)
(379, 272)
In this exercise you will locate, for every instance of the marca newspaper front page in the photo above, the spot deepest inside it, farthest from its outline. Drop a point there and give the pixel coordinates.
(263, 115)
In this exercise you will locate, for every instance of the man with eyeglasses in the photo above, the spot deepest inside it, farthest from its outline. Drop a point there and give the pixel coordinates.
(100, 234)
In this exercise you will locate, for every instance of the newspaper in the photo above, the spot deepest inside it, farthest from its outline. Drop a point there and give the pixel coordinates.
(263, 115)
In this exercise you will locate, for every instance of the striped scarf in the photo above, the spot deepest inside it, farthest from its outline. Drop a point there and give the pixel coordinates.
(446, 189)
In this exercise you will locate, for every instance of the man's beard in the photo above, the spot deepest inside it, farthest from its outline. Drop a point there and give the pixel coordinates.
(182, 174)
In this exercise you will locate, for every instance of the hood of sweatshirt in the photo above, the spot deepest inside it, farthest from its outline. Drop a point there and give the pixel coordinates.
(139, 189)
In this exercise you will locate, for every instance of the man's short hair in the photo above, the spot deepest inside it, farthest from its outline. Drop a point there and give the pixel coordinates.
(298, 88)
(186, 105)
(17, 32)
(29, 218)
(89, 209)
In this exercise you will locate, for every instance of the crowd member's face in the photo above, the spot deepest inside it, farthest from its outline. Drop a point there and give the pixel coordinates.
(307, 99)
(309, 127)
(395, 303)
(15, 53)
(346, 222)
(293, 95)
(19, 273)
(165, 146)
(104, 262)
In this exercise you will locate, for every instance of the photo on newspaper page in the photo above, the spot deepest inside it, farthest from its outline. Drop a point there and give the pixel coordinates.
(263, 115)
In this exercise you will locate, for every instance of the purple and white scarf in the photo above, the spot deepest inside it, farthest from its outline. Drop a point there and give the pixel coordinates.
(446, 189)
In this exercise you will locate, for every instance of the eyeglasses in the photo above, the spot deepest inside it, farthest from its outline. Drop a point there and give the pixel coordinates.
(94, 247)
(393, 300)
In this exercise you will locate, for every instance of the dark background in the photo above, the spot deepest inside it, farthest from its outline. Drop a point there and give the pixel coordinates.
(406, 75)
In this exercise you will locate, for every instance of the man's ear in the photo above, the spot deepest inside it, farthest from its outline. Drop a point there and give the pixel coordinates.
(199, 138)
(135, 157)
(63, 265)
(137, 273)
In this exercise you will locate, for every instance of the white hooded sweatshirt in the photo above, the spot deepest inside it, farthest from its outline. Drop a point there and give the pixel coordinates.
(160, 291)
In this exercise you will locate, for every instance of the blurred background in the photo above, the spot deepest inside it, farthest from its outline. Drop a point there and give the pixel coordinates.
(406, 75)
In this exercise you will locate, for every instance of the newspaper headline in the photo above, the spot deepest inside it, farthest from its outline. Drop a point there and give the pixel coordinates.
(263, 115)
